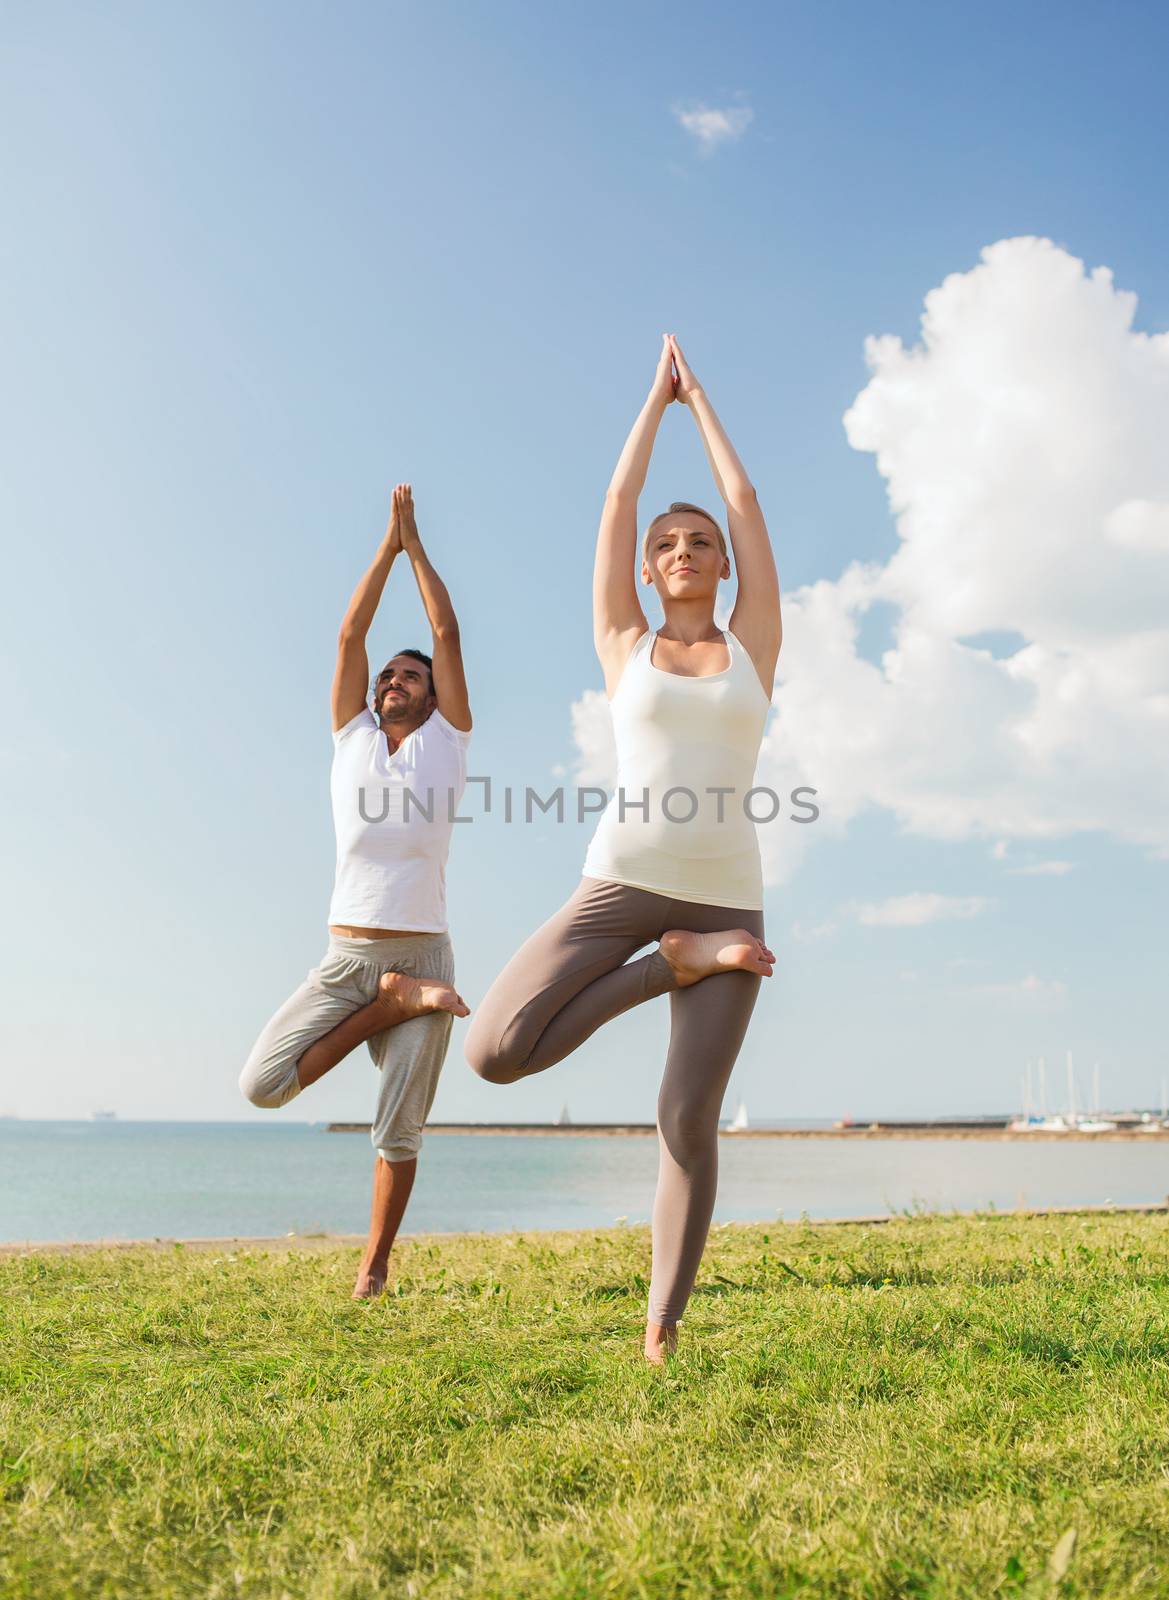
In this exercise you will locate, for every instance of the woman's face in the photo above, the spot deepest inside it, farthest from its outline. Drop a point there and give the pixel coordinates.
(684, 558)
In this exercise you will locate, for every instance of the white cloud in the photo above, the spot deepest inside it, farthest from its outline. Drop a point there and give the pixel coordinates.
(803, 933)
(915, 910)
(713, 125)
(592, 733)
(1140, 525)
(1022, 441)
(1043, 869)
(1023, 447)
(899, 911)
(1030, 990)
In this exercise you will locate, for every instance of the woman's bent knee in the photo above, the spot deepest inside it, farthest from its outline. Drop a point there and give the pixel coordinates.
(494, 1063)
(492, 1066)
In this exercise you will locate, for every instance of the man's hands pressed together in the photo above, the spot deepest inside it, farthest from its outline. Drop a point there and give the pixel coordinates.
(404, 511)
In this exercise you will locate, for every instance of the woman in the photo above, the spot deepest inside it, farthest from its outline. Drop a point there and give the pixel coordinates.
(675, 858)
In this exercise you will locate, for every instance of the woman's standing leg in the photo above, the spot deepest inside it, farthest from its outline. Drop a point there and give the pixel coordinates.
(708, 1022)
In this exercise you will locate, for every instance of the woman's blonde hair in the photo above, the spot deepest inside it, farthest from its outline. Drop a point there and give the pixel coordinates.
(672, 511)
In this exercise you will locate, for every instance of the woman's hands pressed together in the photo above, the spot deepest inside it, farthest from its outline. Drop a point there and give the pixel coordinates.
(664, 384)
(674, 378)
(686, 385)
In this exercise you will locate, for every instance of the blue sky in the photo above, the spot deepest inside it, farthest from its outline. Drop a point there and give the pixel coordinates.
(262, 262)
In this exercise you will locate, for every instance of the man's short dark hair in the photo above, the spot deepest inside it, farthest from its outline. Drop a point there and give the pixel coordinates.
(417, 655)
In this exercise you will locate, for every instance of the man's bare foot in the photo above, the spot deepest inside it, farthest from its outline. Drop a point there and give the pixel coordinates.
(403, 998)
(371, 1281)
(694, 956)
(660, 1343)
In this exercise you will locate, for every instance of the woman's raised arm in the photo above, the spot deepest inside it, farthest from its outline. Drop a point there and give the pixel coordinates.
(618, 620)
(756, 620)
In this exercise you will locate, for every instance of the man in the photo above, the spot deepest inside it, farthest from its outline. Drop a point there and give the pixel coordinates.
(387, 977)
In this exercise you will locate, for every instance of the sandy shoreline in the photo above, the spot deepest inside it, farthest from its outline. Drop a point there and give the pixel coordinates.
(330, 1241)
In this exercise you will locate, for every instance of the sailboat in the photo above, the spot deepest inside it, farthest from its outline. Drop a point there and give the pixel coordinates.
(1095, 1123)
(1036, 1120)
(564, 1120)
(740, 1124)
(1028, 1118)
(1151, 1124)
(1029, 1122)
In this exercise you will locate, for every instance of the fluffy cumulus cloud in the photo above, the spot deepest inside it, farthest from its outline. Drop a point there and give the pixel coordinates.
(1022, 440)
(711, 126)
(592, 733)
(1023, 445)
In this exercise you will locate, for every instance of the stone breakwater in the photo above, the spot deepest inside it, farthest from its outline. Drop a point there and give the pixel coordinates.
(873, 1130)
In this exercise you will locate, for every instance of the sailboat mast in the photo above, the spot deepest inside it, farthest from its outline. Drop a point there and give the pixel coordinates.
(1071, 1090)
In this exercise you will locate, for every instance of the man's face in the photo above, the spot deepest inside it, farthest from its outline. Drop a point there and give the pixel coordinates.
(402, 691)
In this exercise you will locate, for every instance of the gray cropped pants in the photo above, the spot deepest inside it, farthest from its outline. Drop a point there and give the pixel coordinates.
(575, 973)
(409, 1057)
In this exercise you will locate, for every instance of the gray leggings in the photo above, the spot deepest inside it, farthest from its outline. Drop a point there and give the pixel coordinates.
(572, 975)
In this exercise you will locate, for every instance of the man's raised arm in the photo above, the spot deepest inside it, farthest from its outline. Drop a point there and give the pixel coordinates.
(450, 681)
(351, 677)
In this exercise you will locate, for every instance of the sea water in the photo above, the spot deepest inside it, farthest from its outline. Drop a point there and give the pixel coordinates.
(136, 1180)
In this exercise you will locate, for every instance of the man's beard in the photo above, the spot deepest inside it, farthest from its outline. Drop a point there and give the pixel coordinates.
(395, 708)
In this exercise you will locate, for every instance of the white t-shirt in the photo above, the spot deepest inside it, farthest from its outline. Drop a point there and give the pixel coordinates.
(391, 860)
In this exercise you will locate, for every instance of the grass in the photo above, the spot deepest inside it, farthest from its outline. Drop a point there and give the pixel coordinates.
(938, 1407)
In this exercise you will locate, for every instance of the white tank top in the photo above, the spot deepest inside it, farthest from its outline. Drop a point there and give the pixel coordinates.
(677, 740)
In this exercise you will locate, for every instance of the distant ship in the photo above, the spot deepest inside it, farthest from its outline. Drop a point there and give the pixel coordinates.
(740, 1124)
(105, 1116)
(564, 1120)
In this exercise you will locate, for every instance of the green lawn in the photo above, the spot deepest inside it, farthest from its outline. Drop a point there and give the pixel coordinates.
(925, 1408)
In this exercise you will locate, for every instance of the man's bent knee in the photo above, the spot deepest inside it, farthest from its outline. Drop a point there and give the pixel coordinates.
(266, 1090)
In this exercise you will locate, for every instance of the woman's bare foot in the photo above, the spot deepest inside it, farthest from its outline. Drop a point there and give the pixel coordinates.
(371, 1281)
(660, 1343)
(403, 998)
(694, 956)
